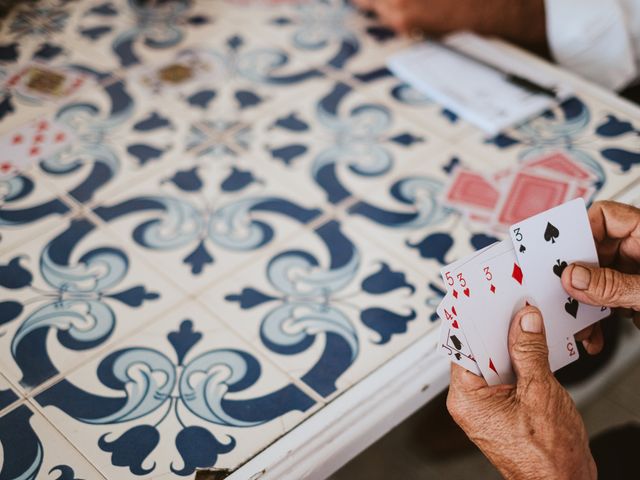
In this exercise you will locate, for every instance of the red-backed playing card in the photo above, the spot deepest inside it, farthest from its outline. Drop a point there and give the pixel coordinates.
(531, 194)
(561, 163)
(471, 191)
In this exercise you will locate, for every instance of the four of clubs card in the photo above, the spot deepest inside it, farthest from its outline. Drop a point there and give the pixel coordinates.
(485, 290)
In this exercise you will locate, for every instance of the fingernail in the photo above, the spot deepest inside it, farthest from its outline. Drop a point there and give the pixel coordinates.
(580, 277)
(531, 322)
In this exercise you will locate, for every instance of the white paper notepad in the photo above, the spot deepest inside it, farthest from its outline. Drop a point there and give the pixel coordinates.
(474, 91)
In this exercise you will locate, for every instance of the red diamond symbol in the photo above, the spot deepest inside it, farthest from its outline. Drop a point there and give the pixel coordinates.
(453, 309)
(492, 288)
(5, 167)
(34, 151)
(17, 139)
(455, 294)
(517, 273)
(492, 366)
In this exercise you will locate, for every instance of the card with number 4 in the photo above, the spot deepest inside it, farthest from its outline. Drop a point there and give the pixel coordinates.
(453, 340)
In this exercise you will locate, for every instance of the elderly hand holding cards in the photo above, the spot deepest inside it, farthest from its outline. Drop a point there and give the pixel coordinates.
(530, 427)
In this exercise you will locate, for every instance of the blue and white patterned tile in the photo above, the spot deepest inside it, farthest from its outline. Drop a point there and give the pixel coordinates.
(121, 34)
(339, 142)
(28, 208)
(328, 307)
(199, 221)
(66, 294)
(604, 141)
(235, 74)
(118, 138)
(331, 34)
(38, 69)
(8, 394)
(185, 393)
(31, 448)
(403, 213)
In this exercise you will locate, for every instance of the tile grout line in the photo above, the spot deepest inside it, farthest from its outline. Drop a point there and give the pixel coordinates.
(40, 411)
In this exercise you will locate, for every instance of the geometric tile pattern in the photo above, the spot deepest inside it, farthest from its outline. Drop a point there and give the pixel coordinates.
(247, 224)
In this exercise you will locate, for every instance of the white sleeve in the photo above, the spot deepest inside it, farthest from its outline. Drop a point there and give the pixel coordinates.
(597, 39)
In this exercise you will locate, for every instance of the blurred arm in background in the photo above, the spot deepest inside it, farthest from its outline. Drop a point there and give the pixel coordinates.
(598, 39)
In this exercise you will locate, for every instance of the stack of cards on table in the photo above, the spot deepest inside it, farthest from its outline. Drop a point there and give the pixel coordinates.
(486, 289)
(515, 194)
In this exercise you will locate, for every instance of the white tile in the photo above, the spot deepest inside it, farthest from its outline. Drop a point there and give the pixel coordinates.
(328, 307)
(66, 294)
(184, 393)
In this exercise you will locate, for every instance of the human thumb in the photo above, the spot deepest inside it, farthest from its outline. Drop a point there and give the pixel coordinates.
(528, 345)
(602, 286)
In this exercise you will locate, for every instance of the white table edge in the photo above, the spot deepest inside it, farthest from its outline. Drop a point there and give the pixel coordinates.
(355, 419)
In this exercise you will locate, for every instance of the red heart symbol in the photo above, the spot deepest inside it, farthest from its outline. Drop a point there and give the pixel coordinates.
(466, 291)
(455, 324)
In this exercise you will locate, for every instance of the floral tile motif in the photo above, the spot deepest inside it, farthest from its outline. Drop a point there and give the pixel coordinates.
(199, 221)
(66, 294)
(185, 393)
(404, 215)
(118, 139)
(601, 139)
(328, 307)
(28, 207)
(38, 68)
(32, 448)
(126, 33)
(234, 73)
(340, 141)
(331, 34)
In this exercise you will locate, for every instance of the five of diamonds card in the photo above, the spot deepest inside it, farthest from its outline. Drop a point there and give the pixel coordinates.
(487, 288)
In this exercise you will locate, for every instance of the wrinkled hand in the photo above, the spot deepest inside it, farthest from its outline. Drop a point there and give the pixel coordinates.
(616, 230)
(530, 430)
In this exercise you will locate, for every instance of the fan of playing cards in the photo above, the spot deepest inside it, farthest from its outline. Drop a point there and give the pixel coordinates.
(486, 289)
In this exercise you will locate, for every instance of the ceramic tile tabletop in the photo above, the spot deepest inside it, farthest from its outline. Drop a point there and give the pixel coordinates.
(246, 222)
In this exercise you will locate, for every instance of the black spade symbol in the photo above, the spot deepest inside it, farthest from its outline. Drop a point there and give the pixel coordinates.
(522, 248)
(551, 233)
(571, 307)
(456, 342)
(559, 267)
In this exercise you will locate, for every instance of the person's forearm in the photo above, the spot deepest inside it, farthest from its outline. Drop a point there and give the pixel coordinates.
(521, 22)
